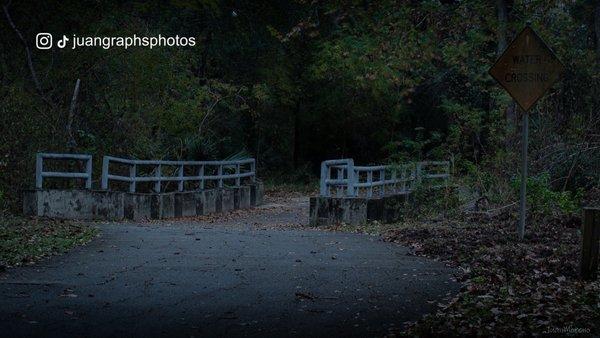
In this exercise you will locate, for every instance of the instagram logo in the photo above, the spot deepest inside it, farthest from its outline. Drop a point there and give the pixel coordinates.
(43, 41)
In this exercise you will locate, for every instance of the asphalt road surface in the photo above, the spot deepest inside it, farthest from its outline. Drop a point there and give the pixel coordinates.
(257, 273)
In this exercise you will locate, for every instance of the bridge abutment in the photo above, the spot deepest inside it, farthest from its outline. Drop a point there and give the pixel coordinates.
(326, 211)
(116, 206)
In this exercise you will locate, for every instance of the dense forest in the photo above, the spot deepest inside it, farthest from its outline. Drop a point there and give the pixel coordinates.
(293, 83)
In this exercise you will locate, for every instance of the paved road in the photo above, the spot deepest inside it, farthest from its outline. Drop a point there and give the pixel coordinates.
(223, 276)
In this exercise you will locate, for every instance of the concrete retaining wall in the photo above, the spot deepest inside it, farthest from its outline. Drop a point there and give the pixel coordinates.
(137, 206)
(74, 204)
(227, 200)
(356, 210)
(257, 191)
(115, 206)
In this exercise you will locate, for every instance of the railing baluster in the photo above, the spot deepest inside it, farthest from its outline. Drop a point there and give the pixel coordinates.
(39, 169)
(201, 174)
(237, 172)
(158, 176)
(356, 181)
(180, 183)
(105, 167)
(220, 174)
(351, 179)
(88, 171)
(324, 191)
(132, 177)
(370, 182)
(382, 180)
(340, 176)
(253, 170)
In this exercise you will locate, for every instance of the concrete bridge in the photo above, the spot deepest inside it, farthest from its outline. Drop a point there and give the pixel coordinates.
(254, 272)
(202, 187)
(356, 194)
(348, 193)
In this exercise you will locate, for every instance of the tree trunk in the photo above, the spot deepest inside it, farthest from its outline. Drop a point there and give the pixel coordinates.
(501, 33)
(71, 142)
(597, 30)
(34, 76)
(501, 30)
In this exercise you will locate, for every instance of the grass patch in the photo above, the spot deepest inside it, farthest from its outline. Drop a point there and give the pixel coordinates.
(25, 241)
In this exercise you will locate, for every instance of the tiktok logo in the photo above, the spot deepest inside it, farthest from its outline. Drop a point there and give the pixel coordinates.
(62, 43)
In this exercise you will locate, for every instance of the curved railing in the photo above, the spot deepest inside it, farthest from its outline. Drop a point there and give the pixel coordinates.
(349, 180)
(233, 171)
(235, 168)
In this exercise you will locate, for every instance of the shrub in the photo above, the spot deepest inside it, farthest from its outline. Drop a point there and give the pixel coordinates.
(545, 201)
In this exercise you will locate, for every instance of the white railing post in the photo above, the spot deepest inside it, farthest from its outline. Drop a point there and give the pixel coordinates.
(238, 180)
(132, 176)
(220, 174)
(253, 170)
(180, 183)
(339, 190)
(157, 175)
(39, 169)
(370, 183)
(88, 171)
(351, 179)
(201, 174)
(323, 181)
(105, 168)
(382, 180)
(394, 181)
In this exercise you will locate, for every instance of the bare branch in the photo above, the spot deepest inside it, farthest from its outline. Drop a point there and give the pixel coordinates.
(27, 50)
(71, 143)
(34, 76)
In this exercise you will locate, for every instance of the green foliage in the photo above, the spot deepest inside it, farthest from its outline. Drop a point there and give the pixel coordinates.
(544, 201)
(294, 83)
(427, 202)
(2, 203)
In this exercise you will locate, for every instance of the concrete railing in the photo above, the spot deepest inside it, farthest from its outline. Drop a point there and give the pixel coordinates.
(219, 175)
(40, 174)
(217, 187)
(351, 181)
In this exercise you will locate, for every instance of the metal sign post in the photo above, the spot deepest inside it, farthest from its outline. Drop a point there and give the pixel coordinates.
(523, 200)
(526, 70)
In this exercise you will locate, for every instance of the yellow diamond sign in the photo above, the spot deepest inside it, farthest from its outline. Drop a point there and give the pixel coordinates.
(527, 68)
